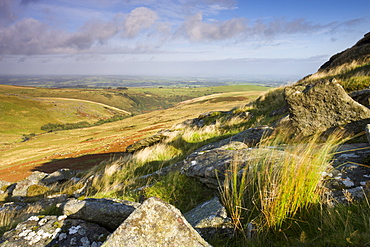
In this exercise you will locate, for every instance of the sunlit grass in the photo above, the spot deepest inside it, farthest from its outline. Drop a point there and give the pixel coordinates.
(275, 185)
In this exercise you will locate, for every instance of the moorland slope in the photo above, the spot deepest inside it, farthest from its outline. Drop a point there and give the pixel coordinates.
(85, 147)
(258, 179)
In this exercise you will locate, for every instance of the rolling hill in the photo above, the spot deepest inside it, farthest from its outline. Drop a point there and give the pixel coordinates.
(86, 147)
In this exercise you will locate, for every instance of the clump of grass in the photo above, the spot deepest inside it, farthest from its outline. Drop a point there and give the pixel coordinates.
(346, 225)
(158, 152)
(37, 190)
(199, 135)
(274, 186)
(179, 190)
(342, 69)
(71, 188)
(233, 194)
(352, 76)
(51, 210)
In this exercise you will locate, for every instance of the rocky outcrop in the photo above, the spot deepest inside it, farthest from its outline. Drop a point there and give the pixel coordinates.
(359, 52)
(41, 231)
(323, 105)
(105, 212)
(209, 166)
(155, 223)
(349, 177)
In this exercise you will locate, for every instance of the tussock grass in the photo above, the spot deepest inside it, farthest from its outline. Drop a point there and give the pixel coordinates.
(130, 177)
(274, 186)
(352, 76)
(342, 69)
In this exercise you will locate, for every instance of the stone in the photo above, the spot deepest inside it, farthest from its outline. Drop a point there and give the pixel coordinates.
(314, 108)
(40, 231)
(367, 132)
(105, 212)
(21, 187)
(4, 186)
(210, 166)
(210, 219)
(362, 97)
(6, 189)
(59, 176)
(155, 223)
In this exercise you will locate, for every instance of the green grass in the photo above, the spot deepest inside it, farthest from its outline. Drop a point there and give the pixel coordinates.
(282, 194)
(183, 192)
(352, 76)
(22, 115)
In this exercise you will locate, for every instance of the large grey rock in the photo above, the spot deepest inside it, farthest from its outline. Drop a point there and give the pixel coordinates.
(41, 231)
(21, 188)
(323, 105)
(155, 223)
(210, 166)
(210, 219)
(107, 213)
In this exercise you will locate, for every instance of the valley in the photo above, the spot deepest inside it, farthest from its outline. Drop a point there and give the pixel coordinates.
(30, 108)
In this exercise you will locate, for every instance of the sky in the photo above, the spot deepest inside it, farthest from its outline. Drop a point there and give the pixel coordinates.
(201, 38)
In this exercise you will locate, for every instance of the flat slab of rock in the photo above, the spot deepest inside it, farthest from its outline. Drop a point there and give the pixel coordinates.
(107, 213)
(40, 231)
(323, 105)
(210, 166)
(155, 223)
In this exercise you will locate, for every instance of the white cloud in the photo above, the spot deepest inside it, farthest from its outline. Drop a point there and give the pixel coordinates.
(198, 30)
(139, 19)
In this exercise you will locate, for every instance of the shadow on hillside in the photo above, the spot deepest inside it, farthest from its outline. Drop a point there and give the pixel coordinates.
(84, 162)
(88, 161)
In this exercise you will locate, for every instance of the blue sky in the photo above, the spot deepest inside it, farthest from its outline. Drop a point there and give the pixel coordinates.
(211, 38)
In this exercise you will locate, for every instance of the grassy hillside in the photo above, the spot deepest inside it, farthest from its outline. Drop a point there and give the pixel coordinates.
(352, 76)
(134, 100)
(87, 147)
(24, 110)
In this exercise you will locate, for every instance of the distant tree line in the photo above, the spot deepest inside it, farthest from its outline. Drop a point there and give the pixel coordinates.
(83, 124)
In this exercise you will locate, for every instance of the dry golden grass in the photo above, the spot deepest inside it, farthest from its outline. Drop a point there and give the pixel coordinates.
(106, 138)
